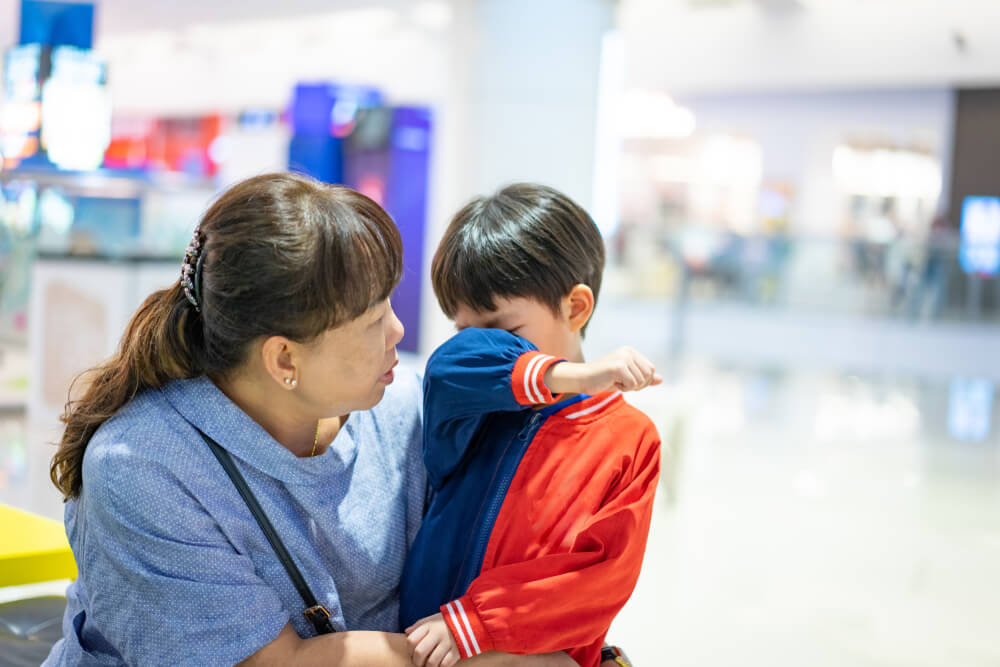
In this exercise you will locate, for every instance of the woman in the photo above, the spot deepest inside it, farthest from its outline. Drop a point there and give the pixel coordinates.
(279, 344)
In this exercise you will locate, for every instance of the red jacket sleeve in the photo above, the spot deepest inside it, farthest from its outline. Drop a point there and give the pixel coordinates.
(564, 600)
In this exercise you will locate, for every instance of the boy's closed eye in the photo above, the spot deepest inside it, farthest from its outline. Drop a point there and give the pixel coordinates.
(511, 330)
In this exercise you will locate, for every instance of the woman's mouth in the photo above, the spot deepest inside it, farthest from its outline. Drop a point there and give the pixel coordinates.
(389, 375)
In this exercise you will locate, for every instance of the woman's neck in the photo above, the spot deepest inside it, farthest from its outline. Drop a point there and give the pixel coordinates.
(277, 412)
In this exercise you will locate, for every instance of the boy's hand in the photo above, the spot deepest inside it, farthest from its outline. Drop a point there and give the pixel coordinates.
(624, 369)
(431, 643)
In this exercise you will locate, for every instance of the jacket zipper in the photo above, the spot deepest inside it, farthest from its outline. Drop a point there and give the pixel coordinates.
(486, 529)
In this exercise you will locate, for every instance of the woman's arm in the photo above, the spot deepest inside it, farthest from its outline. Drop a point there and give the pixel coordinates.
(496, 659)
(376, 649)
(340, 648)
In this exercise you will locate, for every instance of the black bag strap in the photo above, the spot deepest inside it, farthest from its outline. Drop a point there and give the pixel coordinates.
(315, 613)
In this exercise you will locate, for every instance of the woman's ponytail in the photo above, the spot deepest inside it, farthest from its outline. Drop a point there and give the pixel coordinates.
(154, 350)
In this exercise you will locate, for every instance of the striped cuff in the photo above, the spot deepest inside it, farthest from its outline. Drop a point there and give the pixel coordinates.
(528, 378)
(468, 631)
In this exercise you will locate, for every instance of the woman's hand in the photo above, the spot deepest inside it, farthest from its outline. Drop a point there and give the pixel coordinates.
(375, 649)
(431, 643)
(495, 659)
(624, 369)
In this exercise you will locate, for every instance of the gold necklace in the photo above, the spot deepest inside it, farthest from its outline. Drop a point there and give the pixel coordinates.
(315, 439)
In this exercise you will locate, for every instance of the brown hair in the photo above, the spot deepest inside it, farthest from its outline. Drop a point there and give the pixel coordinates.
(526, 240)
(281, 255)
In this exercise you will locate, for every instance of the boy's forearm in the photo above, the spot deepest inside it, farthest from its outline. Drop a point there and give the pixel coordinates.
(624, 369)
(564, 378)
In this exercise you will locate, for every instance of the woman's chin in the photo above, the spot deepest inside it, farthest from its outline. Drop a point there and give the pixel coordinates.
(377, 393)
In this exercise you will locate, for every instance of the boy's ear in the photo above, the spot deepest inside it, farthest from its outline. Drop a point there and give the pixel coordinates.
(579, 306)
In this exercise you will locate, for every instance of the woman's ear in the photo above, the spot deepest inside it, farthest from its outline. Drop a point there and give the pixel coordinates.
(277, 356)
(579, 306)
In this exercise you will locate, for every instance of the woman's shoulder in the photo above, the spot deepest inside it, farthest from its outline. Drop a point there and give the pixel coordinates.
(148, 414)
(141, 470)
(145, 435)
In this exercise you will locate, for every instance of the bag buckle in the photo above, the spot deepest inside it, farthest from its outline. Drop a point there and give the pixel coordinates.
(319, 617)
(616, 655)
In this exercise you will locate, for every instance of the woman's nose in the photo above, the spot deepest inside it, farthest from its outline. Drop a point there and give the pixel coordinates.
(396, 329)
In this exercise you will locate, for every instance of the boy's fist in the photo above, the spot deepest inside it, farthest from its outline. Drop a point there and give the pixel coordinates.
(431, 643)
(624, 369)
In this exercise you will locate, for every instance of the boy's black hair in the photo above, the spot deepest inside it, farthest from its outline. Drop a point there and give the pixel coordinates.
(527, 240)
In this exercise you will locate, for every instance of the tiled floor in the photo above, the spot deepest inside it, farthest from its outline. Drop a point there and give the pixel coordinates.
(818, 520)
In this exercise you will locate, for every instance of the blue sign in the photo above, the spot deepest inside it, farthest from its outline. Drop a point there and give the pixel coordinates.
(970, 409)
(57, 23)
(979, 249)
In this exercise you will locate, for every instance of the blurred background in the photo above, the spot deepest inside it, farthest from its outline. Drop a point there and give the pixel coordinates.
(801, 204)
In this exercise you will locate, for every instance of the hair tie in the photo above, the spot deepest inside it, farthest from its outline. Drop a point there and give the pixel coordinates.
(191, 270)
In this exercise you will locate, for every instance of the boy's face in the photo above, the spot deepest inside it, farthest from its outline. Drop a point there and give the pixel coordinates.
(528, 318)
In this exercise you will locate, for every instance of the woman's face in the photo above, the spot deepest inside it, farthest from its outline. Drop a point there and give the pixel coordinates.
(349, 367)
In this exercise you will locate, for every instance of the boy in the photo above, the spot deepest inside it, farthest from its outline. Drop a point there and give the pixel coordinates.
(543, 475)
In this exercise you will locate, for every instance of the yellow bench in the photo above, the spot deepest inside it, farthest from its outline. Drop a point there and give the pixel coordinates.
(32, 549)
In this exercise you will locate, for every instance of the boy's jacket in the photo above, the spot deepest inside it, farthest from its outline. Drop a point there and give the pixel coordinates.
(535, 535)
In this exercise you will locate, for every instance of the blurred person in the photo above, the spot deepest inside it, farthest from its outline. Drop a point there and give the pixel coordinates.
(904, 260)
(275, 352)
(543, 475)
(942, 253)
(881, 231)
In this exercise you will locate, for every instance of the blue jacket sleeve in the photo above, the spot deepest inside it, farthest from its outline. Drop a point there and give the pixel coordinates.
(474, 374)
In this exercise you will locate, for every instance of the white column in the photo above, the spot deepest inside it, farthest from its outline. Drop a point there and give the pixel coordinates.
(522, 106)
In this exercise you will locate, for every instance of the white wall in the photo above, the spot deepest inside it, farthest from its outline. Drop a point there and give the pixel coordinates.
(521, 105)
(232, 66)
(675, 45)
(9, 22)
